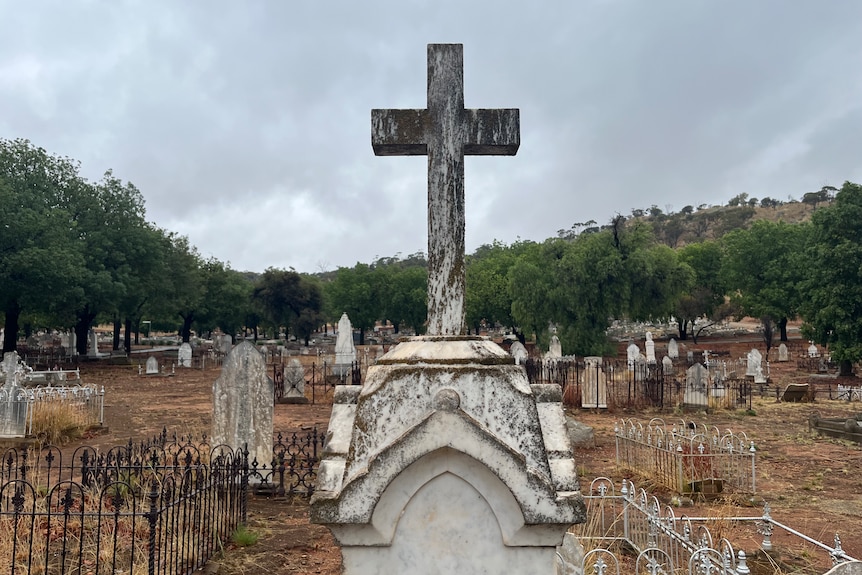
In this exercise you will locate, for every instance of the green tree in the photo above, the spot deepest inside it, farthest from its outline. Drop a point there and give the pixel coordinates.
(41, 257)
(227, 298)
(705, 293)
(762, 268)
(117, 249)
(145, 284)
(356, 292)
(183, 285)
(489, 296)
(404, 295)
(291, 300)
(822, 195)
(580, 284)
(832, 308)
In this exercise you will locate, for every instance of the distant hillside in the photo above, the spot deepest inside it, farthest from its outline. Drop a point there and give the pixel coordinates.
(711, 222)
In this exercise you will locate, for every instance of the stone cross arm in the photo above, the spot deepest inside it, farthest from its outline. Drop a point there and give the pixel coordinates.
(487, 132)
(445, 132)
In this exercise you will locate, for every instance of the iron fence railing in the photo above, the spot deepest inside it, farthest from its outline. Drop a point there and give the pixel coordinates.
(21, 407)
(319, 379)
(687, 457)
(665, 543)
(164, 505)
(610, 383)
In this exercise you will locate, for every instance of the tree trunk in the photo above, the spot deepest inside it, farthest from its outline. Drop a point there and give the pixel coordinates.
(127, 337)
(768, 333)
(361, 336)
(117, 327)
(845, 368)
(10, 327)
(186, 331)
(782, 329)
(82, 329)
(682, 328)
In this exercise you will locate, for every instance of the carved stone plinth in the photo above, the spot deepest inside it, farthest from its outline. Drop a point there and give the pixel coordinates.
(447, 460)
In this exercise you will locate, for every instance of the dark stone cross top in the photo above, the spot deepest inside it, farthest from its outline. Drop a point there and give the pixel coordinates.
(445, 132)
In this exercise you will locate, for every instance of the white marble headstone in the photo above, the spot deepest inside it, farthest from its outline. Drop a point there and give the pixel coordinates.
(783, 354)
(649, 347)
(673, 349)
(152, 366)
(555, 348)
(632, 353)
(696, 385)
(345, 351)
(93, 344)
(184, 355)
(667, 365)
(754, 359)
(519, 352)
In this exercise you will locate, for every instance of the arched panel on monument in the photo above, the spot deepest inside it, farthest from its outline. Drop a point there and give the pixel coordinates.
(423, 475)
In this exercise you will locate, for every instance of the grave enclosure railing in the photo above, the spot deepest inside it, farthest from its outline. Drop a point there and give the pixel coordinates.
(615, 384)
(664, 543)
(686, 457)
(165, 505)
(320, 378)
(20, 412)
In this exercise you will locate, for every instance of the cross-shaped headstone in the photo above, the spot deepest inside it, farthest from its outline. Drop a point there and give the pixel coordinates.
(445, 132)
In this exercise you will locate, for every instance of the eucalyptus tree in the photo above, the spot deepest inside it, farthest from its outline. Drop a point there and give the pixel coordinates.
(42, 259)
(832, 307)
(290, 300)
(762, 269)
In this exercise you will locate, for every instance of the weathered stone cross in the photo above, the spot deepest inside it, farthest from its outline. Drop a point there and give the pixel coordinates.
(445, 132)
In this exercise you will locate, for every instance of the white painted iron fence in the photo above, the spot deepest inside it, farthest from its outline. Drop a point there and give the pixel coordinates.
(663, 543)
(21, 407)
(687, 457)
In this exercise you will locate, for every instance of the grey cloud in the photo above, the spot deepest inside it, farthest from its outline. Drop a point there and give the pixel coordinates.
(246, 125)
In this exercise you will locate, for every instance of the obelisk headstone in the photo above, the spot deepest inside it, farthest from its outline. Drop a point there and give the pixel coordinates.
(345, 351)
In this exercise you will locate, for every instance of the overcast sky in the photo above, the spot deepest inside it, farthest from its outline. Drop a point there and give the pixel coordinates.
(246, 124)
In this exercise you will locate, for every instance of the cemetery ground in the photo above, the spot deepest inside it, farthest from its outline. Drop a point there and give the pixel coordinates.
(812, 484)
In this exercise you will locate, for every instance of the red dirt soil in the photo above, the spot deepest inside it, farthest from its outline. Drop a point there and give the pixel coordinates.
(812, 483)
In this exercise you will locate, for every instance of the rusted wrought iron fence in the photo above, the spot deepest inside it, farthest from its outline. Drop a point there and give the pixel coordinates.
(610, 383)
(687, 457)
(165, 505)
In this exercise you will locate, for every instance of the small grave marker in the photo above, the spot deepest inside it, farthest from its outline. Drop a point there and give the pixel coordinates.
(184, 355)
(673, 349)
(594, 391)
(294, 383)
(519, 352)
(649, 347)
